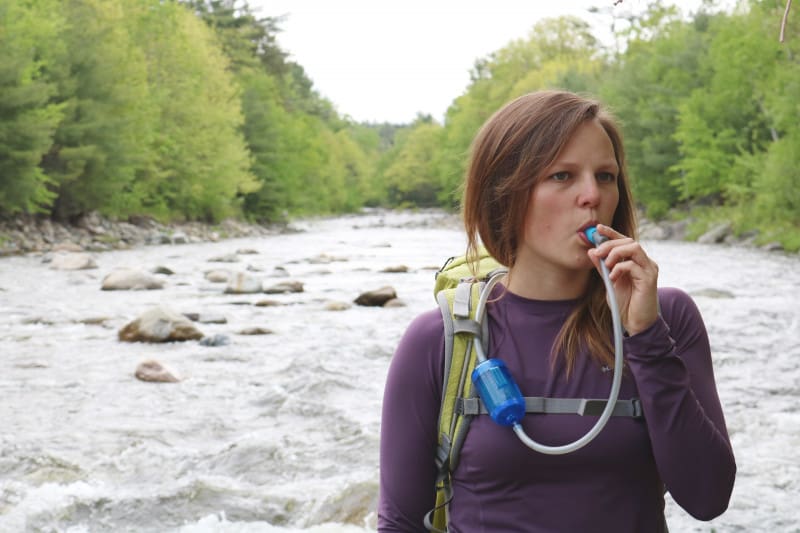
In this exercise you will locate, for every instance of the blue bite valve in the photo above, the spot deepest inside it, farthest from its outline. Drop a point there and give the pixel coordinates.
(594, 237)
(499, 393)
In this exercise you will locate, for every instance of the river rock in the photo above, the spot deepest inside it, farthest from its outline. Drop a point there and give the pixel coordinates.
(324, 259)
(203, 318)
(280, 272)
(215, 340)
(241, 283)
(154, 372)
(228, 258)
(285, 287)
(159, 324)
(337, 306)
(158, 238)
(348, 505)
(653, 232)
(716, 233)
(66, 247)
(713, 293)
(255, 331)
(91, 222)
(268, 303)
(179, 237)
(72, 261)
(395, 302)
(160, 269)
(397, 269)
(218, 276)
(128, 279)
(377, 297)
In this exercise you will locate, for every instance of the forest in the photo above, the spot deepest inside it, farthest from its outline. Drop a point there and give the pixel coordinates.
(190, 110)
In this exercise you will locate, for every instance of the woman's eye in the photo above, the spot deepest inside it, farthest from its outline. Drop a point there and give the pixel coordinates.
(560, 176)
(606, 177)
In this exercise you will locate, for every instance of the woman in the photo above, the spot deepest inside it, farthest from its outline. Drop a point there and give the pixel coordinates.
(544, 168)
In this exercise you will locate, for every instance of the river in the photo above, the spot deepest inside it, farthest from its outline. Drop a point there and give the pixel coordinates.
(279, 433)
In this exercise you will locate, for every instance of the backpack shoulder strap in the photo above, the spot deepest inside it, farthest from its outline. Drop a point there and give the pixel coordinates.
(461, 331)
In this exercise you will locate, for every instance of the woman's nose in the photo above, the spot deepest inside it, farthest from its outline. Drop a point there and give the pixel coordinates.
(589, 192)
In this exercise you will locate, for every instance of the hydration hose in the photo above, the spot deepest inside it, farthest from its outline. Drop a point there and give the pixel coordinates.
(502, 396)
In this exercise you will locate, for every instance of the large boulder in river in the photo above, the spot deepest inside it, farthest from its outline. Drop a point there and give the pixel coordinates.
(160, 324)
(128, 279)
(377, 297)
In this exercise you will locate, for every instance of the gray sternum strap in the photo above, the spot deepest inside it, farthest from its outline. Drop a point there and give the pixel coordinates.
(574, 406)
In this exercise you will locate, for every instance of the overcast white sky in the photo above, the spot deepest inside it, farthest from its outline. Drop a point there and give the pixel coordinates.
(387, 60)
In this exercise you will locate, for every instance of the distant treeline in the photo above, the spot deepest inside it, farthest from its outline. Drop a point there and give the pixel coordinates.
(191, 111)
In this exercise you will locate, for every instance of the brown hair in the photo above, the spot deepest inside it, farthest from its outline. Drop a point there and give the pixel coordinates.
(508, 157)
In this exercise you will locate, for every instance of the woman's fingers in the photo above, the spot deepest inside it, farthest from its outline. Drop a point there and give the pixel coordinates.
(609, 232)
(634, 275)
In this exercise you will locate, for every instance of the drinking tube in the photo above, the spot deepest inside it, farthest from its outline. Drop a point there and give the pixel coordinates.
(501, 395)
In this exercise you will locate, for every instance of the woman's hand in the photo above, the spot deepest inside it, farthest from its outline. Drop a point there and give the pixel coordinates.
(634, 276)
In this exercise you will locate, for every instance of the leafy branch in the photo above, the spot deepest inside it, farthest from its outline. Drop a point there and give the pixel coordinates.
(783, 20)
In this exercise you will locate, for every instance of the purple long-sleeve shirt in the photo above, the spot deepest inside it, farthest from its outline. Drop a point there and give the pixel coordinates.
(613, 484)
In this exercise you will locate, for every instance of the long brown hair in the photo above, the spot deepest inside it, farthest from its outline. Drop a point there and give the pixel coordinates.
(508, 157)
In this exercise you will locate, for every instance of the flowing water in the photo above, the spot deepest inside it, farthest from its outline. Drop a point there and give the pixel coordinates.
(279, 433)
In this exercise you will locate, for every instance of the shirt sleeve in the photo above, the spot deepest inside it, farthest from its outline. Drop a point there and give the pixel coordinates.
(671, 365)
(409, 425)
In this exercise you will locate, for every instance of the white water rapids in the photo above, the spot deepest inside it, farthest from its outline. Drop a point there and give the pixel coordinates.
(279, 433)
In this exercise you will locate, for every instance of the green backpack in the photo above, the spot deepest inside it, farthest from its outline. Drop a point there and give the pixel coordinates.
(457, 291)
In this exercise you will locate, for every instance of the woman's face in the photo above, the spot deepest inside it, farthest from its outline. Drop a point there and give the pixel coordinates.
(577, 191)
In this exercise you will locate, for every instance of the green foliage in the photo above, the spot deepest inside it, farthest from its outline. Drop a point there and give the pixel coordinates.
(249, 42)
(410, 177)
(739, 134)
(102, 140)
(201, 157)
(264, 126)
(302, 154)
(726, 117)
(28, 115)
(190, 110)
(559, 53)
(645, 89)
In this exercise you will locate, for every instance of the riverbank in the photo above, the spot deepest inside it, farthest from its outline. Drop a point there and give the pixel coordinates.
(28, 234)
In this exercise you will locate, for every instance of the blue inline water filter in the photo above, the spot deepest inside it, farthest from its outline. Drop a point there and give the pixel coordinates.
(499, 392)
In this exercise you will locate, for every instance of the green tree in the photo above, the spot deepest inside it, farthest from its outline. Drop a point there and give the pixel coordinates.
(265, 121)
(558, 53)
(350, 167)
(28, 113)
(660, 67)
(103, 140)
(411, 177)
(766, 185)
(249, 42)
(302, 153)
(726, 118)
(373, 141)
(202, 162)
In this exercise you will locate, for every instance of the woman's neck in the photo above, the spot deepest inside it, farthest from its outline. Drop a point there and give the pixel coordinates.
(546, 282)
